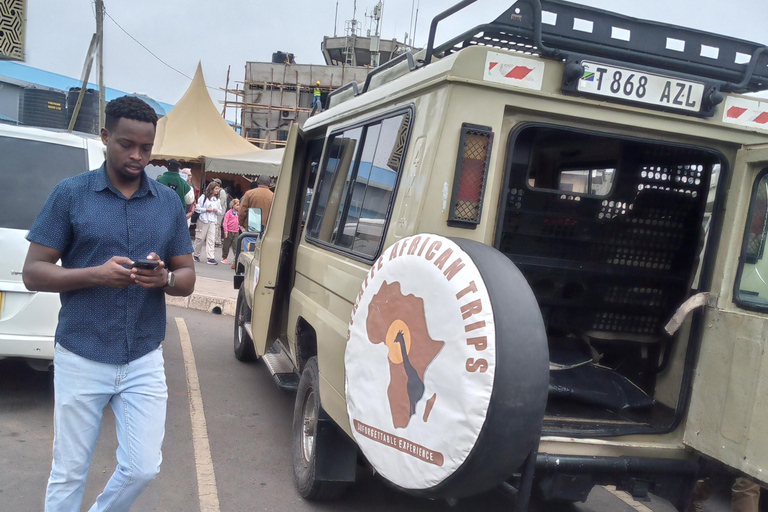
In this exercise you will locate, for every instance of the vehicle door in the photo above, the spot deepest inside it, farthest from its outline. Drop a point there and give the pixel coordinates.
(30, 168)
(275, 249)
(728, 413)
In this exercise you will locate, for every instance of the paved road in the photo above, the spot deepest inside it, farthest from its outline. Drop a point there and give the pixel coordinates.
(247, 423)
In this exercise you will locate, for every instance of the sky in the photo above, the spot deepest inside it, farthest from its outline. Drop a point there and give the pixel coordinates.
(225, 34)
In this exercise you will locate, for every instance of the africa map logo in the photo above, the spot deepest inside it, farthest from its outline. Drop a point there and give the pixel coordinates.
(399, 321)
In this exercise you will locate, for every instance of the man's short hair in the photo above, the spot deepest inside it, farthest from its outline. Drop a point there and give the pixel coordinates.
(263, 180)
(128, 107)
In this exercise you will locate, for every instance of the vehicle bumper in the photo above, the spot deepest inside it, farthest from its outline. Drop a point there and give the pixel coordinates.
(28, 347)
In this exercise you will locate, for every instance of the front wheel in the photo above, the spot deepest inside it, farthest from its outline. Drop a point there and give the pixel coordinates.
(306, 416)
(244, 350)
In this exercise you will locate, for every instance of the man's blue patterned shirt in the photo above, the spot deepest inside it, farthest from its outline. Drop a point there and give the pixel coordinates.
(88, 220)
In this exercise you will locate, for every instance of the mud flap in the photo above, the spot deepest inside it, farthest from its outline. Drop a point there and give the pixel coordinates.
(336, 452)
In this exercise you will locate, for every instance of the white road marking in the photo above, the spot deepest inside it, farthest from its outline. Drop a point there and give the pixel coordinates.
(206, 479)
(627, 498)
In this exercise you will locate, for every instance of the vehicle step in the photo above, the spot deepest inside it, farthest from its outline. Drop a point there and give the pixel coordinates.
(281, 368)
(286, 381)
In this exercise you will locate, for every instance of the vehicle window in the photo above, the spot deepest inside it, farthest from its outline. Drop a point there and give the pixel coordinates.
(29, 170)
(596, 182)
(753, 278)
(333, 180)
(356, 192)
(612, 222)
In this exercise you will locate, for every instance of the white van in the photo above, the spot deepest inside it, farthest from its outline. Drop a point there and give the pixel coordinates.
(33, 161)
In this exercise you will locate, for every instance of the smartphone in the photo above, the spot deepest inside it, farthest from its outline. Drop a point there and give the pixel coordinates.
(146, 264)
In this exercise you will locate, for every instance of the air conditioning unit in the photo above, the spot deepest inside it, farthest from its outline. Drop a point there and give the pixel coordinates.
(288, 114)
(12, 22)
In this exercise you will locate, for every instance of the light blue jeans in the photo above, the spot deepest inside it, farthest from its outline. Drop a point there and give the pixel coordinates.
(82, 389)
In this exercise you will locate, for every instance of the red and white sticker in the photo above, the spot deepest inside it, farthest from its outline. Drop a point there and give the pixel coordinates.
(746, 112)
(513, 70)
(420, 361)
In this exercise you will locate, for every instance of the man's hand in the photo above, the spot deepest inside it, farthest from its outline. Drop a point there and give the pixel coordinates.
(113, 273)
(150, 278)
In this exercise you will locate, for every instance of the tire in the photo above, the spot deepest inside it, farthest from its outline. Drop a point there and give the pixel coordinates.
(244, 350)
(424, 295)
(307, 412)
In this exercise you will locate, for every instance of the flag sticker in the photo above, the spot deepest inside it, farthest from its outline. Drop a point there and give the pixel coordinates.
(589, 76)
(735, 112)
(746, 112)
(513, 70)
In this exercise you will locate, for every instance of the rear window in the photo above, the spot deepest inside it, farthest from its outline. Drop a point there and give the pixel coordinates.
(607, 229)
(29, 170)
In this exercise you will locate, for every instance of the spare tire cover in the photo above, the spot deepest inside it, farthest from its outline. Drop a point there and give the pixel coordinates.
(446, 367)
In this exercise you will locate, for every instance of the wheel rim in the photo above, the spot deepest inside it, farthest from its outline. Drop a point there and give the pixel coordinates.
(240, 324)
(309, 426)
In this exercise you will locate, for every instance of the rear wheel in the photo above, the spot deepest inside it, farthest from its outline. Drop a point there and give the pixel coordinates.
(306, 418)
(244, 350)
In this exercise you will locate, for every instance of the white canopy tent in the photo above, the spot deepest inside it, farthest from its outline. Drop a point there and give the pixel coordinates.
(251, 163)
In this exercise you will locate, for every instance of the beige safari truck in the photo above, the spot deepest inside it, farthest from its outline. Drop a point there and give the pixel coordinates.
(530, 257)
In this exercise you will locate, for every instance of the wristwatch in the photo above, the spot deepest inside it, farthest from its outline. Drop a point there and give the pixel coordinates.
(171, 282)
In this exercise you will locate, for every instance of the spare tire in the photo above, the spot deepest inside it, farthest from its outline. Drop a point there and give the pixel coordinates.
(447, 367)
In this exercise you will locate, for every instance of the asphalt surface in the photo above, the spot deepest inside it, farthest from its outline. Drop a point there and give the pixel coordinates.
(247, 426)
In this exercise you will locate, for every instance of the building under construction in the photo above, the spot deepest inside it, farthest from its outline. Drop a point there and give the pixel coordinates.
(277, 93)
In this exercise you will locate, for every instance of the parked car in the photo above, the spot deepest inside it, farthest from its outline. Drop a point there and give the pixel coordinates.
(33, 161)
(534, 253)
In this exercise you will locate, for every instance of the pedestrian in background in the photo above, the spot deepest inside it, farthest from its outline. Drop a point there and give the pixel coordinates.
(231, 230)
(745, 494)
(112, 319)
(259, 197)
(178, 183)
(208, 207)
(220, 218)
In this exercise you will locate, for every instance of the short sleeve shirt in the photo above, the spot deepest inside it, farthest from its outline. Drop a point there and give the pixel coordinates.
(88, 220)
(175, 182)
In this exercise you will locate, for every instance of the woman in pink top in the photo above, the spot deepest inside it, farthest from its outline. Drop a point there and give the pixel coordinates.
(231, 230)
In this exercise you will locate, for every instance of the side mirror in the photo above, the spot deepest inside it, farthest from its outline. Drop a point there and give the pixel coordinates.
(254, 220)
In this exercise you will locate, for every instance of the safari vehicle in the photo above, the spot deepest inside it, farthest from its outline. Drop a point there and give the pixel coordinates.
(535, 252)
(33, 161)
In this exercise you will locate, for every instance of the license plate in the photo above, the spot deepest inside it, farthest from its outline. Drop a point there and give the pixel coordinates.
(641, 87)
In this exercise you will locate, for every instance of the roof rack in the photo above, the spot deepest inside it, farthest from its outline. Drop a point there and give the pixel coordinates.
(560, 30)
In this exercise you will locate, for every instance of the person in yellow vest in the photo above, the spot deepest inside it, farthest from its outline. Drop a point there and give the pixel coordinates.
(316, 97)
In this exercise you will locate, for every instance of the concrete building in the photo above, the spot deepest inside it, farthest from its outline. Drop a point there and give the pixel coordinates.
(276, 94)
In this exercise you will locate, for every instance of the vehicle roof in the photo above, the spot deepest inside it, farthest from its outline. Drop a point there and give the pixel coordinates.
(47, 135)
(466, 67)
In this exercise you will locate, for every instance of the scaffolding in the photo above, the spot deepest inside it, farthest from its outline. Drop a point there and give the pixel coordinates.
(273, 95)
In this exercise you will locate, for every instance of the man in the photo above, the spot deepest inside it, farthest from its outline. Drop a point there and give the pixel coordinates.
(112, 317)
(220, 217)
(316, 97)
(259, 197)
(175, 181)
